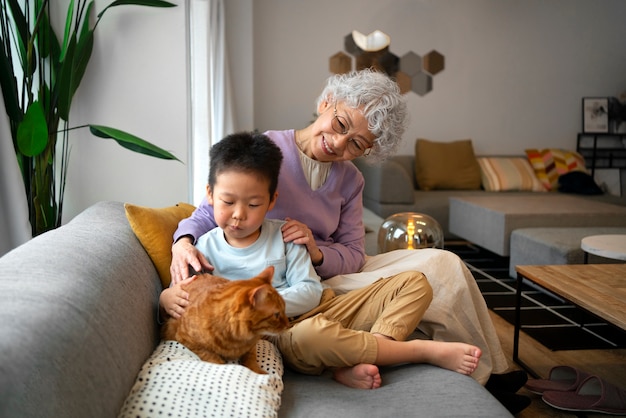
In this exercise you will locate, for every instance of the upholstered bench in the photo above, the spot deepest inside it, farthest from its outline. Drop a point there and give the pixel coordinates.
(488, 221)
(540, 246)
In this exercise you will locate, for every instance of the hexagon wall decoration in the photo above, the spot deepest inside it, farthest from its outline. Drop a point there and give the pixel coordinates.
(433, 62)
(340, 63)
(411, 71)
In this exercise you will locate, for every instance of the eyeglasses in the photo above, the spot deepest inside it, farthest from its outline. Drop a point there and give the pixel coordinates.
(354, 147)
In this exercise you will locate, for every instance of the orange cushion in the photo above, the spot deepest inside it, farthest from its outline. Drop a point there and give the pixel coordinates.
(551, 163)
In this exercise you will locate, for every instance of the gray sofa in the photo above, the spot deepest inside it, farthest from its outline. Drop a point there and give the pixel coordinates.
(79, 320)
(390, 187)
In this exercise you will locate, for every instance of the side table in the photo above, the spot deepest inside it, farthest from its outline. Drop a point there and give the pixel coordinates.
(607, 246)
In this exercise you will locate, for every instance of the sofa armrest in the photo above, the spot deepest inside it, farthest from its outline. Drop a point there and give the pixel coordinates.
(79, 306)
(387, 182)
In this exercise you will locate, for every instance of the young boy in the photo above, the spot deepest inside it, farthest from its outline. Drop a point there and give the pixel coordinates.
(351, 333)
(243, 178)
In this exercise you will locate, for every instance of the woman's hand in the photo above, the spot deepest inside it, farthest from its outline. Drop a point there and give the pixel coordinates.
(185, 254)
(174, 300)
(299, 233)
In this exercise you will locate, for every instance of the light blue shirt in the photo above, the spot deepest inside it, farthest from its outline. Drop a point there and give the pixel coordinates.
(294, 275)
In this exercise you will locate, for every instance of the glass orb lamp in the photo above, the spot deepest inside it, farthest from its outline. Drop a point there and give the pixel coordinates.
(409, 230)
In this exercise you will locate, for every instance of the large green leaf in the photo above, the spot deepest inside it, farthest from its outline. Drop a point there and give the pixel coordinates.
(22, 35)
(151, 3)
(19, 20)
(131, 142)
(8, 84)
(32, 132)
(63, 86)
(45, 36)
(82, 55)
(68, 29)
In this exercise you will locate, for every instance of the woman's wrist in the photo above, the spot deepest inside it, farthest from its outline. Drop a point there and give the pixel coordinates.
(318, 260)
(187, 237)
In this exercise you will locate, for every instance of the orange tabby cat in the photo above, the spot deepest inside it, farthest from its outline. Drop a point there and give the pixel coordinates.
(226, 318)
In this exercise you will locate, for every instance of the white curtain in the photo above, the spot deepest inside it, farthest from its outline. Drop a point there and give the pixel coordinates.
(211, 98)
(14, 224)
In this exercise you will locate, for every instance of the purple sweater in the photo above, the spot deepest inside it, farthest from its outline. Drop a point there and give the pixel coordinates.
(334, 212)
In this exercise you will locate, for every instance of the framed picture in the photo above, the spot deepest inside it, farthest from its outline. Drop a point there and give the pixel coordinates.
(595, 114)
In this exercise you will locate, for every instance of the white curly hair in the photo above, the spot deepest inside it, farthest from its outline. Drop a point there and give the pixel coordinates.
(379, 97)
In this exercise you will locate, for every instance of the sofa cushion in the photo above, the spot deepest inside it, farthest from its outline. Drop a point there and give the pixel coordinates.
(551, 163)
(175, 382)
(154, 227)
(408, 390)
(446, 165)
(508, 174)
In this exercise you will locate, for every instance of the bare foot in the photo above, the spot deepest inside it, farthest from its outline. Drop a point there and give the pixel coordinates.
(458, 357)
(361, 376)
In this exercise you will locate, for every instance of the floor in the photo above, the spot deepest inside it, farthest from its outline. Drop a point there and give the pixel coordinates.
(609, 364)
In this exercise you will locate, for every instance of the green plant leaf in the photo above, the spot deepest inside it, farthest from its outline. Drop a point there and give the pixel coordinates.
(23, 34)
(68, 29)
(82, 55)
(32, 132)
(8, 85)
(131, 142)
(151, 3)
(20, 21)
(63, 86)
(45, 36)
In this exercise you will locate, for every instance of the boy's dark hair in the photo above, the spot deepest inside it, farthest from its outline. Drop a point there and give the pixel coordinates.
(248, 152)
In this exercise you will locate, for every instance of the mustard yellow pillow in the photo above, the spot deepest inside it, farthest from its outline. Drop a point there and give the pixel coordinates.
(446, 165)
(154, 227)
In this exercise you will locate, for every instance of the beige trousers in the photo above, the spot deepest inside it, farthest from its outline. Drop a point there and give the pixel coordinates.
(338, 333)
(457, 312)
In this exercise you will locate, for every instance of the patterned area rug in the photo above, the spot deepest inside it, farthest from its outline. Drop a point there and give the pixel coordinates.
(555, 323)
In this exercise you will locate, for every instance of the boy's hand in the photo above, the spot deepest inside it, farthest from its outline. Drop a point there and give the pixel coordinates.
(185, 254)
(174, 299)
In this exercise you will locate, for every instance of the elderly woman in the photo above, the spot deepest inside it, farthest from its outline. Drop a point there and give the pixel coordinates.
(320, 195)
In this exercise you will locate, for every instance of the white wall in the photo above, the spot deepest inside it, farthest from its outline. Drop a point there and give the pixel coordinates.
(515, 71)
(136, 81)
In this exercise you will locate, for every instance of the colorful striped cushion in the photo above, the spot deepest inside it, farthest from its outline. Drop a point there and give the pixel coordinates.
(507, 174)
(551, 163)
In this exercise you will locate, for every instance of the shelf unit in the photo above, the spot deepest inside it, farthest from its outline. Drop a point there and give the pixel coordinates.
(603, 150)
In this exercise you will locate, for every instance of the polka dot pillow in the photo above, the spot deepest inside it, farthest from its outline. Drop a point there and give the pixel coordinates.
(175, 382)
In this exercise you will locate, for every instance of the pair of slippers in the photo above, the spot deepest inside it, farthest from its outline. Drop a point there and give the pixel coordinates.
(571, 389)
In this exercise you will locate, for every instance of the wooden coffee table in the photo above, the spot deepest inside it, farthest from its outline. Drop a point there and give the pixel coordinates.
(599, 289)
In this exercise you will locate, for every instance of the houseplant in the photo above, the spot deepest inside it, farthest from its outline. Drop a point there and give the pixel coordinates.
(38, 77)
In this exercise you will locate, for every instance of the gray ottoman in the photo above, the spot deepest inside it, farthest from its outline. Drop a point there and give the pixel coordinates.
(542, 246)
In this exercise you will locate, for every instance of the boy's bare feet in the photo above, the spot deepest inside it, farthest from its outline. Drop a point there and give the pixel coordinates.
(361, 376)
(458, 357)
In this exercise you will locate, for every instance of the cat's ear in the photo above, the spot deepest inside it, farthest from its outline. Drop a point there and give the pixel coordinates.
(267, 275)
(259, 294)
